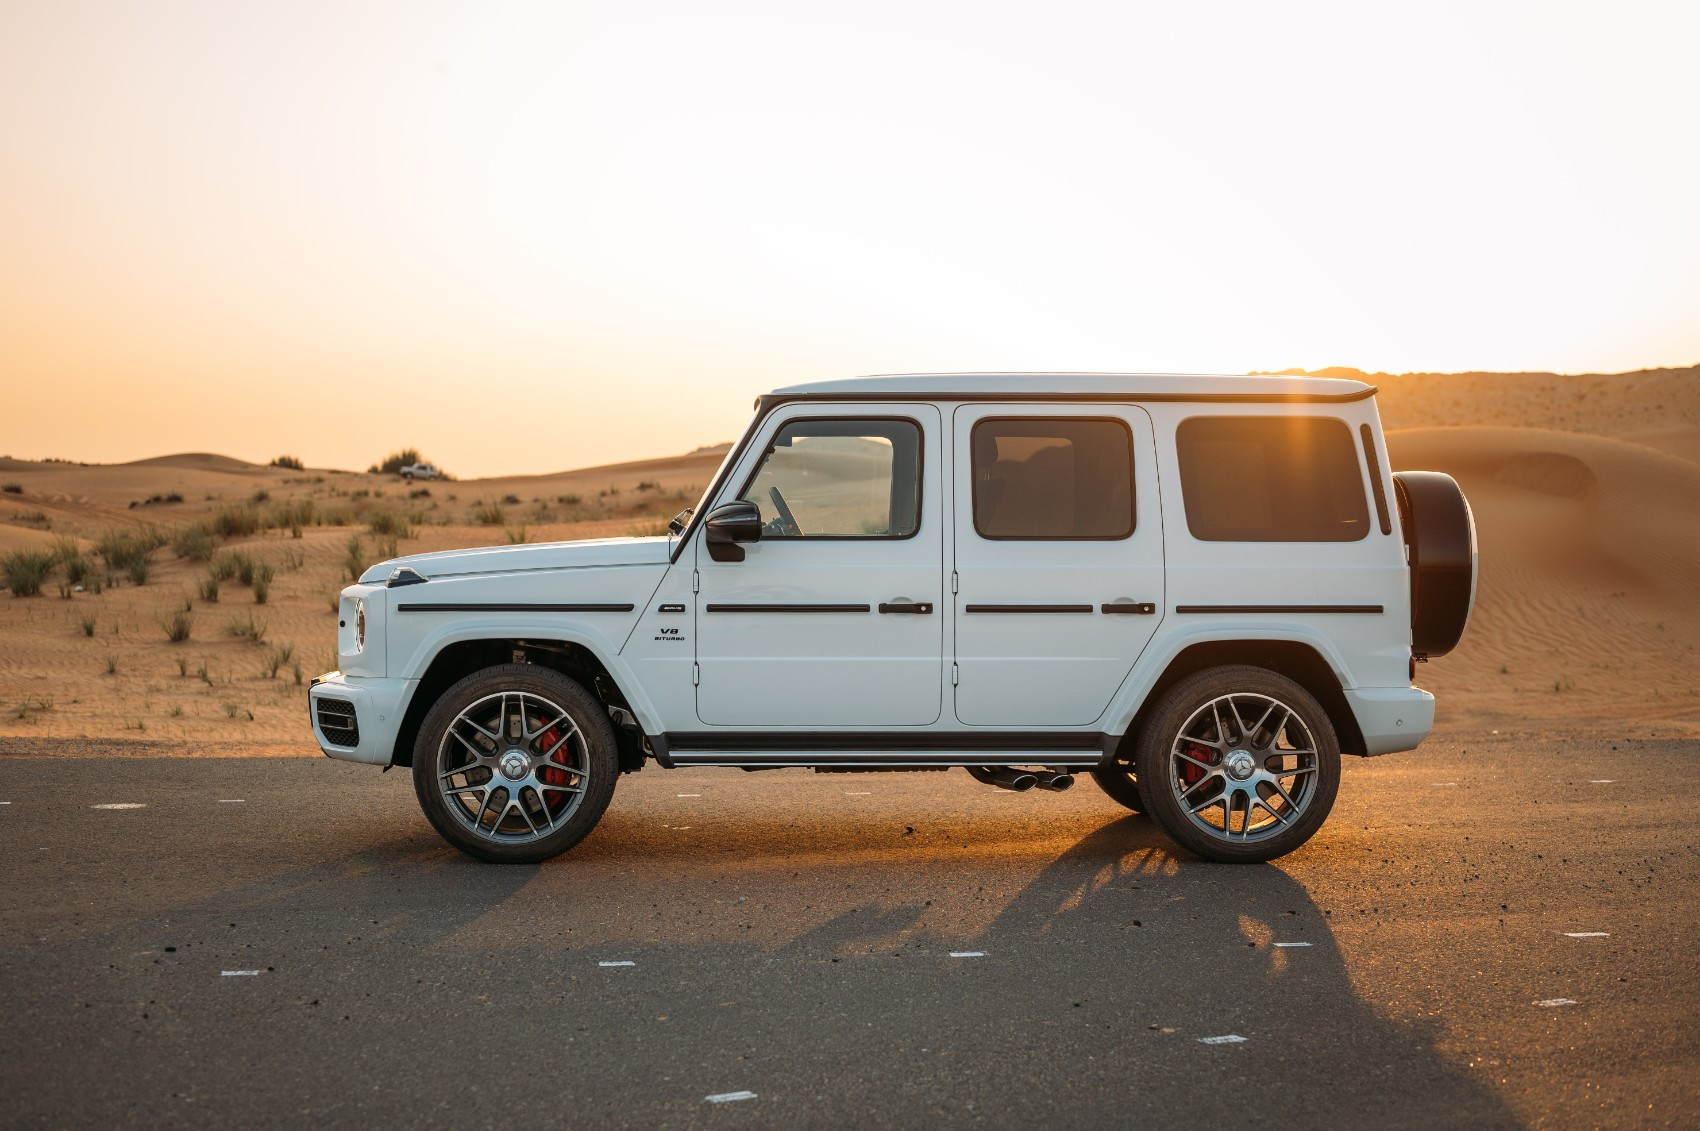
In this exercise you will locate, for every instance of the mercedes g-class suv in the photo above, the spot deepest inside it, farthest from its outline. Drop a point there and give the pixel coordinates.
(1203, 590)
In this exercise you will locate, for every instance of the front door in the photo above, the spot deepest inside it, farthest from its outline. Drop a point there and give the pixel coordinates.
(1059, 557)
(834, 617)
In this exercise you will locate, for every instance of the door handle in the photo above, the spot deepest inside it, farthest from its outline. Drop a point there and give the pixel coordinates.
(906, 606)
(1143, 608)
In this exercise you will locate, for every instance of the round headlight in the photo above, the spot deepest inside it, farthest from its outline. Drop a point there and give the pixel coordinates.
(360, 625)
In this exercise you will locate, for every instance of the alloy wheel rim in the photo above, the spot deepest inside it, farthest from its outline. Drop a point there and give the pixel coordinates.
(1244, 767)
(513, 767)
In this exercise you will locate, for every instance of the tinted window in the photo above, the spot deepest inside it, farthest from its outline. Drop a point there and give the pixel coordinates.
(1271, 479)
(840, 479)
(1053, 478)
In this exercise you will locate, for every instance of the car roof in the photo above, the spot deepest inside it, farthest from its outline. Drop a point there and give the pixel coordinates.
(1114, 386)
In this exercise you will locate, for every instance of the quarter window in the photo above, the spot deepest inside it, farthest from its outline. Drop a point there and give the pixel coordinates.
(1271, 479)
(840, 479)
(1053, 478)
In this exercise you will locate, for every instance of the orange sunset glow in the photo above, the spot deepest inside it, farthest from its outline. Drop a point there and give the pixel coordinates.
(547, 236)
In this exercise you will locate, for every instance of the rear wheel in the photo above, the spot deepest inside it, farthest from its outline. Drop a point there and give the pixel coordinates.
(515, 764)
(1239, 764)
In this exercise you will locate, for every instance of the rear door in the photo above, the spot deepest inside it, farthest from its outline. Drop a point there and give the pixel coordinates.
(1058, 558)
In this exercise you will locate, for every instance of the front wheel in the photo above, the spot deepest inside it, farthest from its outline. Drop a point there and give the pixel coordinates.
(1238, 764)
(515, 764)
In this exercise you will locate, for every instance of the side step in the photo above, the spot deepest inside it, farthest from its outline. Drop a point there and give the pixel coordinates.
(885, 759)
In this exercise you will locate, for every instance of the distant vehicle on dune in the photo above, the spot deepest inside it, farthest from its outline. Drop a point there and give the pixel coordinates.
(418, 471)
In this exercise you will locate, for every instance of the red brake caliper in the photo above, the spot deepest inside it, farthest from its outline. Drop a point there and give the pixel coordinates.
(550, 774)
(1191, 772)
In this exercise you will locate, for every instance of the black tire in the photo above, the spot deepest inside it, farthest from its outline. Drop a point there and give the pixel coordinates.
(1119, 780)
(1181, 751)
(567, 785)
(1440, 539)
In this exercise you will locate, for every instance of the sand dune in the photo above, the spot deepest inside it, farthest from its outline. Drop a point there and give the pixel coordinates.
(1588, 615)
(1589, 605)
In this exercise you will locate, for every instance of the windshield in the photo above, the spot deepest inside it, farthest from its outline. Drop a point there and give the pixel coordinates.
(685, 519)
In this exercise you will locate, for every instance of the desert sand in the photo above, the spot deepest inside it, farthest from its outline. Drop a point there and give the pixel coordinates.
(1586, 491)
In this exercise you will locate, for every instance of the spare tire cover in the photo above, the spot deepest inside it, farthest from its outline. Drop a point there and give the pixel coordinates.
(1440, 531)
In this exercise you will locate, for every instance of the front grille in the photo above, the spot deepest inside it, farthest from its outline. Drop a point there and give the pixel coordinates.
(338, 722)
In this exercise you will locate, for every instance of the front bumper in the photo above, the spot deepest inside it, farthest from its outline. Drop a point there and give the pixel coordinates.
(376, 706)
(1391, 718)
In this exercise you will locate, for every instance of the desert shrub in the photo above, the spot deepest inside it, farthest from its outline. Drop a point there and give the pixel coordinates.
(262, 583)
(224, 567)
(386, 548)
(70, 557)
(209, 588)
(194, 542)
(66, 589)
(569, 500)
(354, 558)
(488, 514)
(395, 461)
(293, 560)
(177, 626)
(516, 535)
(111, 664)
(262, 495)
(13, 488)
(419, 493)
(249, 629)
(649, 485)
(86, 624)
(290, 462)
(277, 656)
(236, 522)
(242, 567)
(25, 570)
(388, 522)
(137, 571)
(648, 528)
(119, 548)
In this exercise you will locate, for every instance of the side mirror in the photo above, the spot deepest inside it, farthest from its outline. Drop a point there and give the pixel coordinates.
(729, 524)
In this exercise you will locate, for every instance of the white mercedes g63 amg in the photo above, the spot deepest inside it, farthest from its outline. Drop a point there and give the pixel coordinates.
(1203, 590)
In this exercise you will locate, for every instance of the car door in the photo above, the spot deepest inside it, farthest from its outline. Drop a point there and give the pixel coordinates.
(1058, 553)
(833, 617)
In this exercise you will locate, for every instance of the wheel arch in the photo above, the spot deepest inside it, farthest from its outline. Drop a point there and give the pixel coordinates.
(456, 660)
(1295, 659)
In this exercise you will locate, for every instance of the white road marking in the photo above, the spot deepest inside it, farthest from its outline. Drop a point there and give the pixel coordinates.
(1445, 783)
(690, 795)
(1602, 781)
(122, 805)
(858, 793)
(968, 954)
(1555, 1002)
(239, 973)
(1288, 944)
(1226, 1039)
(729, 1097)
(622, 962)
(1587, 934)
(233, 801)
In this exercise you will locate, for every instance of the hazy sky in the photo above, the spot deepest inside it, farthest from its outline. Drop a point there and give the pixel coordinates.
(526, 237)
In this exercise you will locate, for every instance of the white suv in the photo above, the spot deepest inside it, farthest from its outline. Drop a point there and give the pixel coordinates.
(1203, 590)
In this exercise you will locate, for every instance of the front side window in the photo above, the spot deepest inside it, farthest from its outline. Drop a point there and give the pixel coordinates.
(1053, 478)
(1271, 479)
(840, 479)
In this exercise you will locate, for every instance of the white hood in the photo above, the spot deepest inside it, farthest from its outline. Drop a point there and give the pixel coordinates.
(527, 558)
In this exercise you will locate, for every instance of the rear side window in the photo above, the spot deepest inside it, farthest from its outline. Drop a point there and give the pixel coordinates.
(1053, 478)
(1271, 479)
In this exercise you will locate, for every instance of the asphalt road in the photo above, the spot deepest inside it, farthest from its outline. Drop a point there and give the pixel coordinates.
(791, 935)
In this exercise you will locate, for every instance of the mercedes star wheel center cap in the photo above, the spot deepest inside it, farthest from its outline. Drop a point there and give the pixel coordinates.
(515, 764)
(1240, 765)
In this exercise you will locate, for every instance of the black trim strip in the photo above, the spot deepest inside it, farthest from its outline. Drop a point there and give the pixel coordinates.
(1375, 479)
(515, 607)
(816, 741)
(1279, 609)
(1027, 608)
(788, 608)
